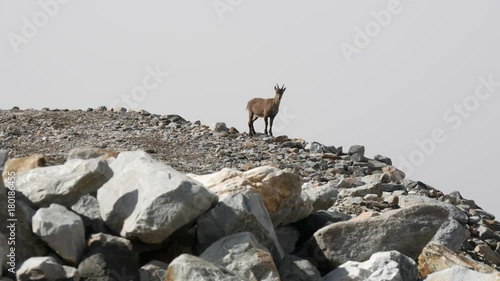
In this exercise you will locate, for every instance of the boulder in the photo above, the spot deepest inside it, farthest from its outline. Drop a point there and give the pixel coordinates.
(109, 258)
(362, 191)
(407, 231)
(23, 164)
(63, 184)
(436, 258)
(188, 267)
(45, 268)
(406, 201)
(62, 230)
(154, 270)
(91, 153)
(218, 127)
(383, 266)
(149, 200)
(308, 226)
(281, 191)
(322, 197)
(239, 212)
(451, 234)
(87, 208)
(457, 273)
(243, 255)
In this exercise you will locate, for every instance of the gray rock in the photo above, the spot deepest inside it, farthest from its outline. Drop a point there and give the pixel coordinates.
(63, 184)
(315, 147)
(383, 266)
(62, 230)
(383, 159)
(350, 183)
(338, 243)
(362, 191)
(154, 270)
(149, 200)
(45, 268)
(244, 256)
(109, 258)
(4, 156)
(482, 213)
(457, 273)
(486, 233)
(357, 149)
(451, 234)
(406, 201)
(308, 226)
(292, 268)
(288, 237)
(322, 197)
(88, 209)
(239, 212)
(188, 267)
(219, 127)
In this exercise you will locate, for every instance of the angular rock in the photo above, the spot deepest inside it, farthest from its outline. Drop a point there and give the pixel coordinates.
(109, 258)
(188, 267)
(360, 149)
(308, 226)
(239, 212)
(436, 258)
(149, 200)
(462, 274)
(45, 268)
(394, 174)
(292, 268)
(406, 201)
(361, 191)
(350, 183)
(63, 184)
(315, 147)
(154, 270)
(383, 266)
(322, 197)
(23, 164)
(219, 127)
(486, 233)
(62, 230)
(281, 191)
(383, 159)
(407, 231)
(488, 254)
(86, 153)
(88, 209)
(451, 234)
(241, 254)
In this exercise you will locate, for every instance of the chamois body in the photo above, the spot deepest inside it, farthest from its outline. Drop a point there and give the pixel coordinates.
(264, 108)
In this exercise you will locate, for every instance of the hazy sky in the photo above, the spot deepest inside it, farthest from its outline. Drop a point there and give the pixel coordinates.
(400, 77)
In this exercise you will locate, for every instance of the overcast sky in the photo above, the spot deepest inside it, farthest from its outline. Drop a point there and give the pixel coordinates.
(412, 80)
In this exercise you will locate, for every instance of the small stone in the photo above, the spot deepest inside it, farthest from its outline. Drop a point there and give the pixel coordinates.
(490, 255)
(219, 127)
(383, 159)
(371, 197)
(357, 149)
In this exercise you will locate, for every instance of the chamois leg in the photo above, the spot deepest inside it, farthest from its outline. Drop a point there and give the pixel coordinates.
(271, 126)
(266, 121)
(251, 130)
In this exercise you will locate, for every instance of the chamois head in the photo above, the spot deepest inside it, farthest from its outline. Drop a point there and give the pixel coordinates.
(279, 91)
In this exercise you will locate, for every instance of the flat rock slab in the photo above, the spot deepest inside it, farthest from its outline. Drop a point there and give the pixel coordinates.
(407, 231)
(62, 230)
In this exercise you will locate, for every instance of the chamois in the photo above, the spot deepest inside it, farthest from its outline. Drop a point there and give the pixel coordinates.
(264, 108)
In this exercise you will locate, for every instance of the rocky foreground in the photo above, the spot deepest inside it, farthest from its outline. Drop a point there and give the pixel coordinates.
(122, 195)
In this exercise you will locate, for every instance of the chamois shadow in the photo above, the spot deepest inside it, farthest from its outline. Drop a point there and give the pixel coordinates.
(124, 207)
